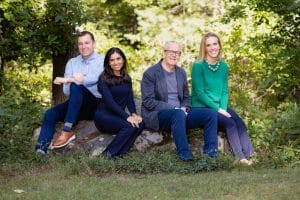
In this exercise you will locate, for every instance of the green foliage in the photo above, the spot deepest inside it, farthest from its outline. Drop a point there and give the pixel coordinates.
(18, 23)
(36, 30)
(20, 112)
(58, 26)
(16, 126)
(280, 47)
(117, 17)
(286, 127)
(274, 132)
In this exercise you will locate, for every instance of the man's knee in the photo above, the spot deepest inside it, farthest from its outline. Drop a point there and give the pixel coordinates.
(178, 117)
(179, 114)
(75, 88)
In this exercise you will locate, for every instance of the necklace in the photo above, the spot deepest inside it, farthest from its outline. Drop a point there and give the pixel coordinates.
(213, 67)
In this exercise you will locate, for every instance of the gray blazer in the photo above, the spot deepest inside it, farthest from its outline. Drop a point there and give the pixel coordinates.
(155, 93)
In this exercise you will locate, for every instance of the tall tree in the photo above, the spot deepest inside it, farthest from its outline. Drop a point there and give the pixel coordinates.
(35, 30)
(57, 36)
(115, 17)
(18, 23)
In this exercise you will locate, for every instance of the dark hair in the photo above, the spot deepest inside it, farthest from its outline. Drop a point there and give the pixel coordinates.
(83, 33)
(108, 74)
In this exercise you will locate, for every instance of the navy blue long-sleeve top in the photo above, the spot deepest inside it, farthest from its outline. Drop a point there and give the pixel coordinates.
(116, 98)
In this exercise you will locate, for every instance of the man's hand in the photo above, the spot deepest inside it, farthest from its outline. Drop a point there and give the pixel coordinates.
(184, 109)
(78, 77)
(61, 80)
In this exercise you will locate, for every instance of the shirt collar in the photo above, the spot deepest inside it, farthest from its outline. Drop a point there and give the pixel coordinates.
(92, 57)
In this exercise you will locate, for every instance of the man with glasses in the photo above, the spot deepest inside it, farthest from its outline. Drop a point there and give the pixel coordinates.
(166, 104)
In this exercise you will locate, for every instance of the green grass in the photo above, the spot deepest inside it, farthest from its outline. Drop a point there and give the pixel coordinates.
(238, 184)
(151, 175)
(157, 174)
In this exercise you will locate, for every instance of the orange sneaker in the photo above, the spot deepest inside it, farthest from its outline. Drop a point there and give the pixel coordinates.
(63, 139)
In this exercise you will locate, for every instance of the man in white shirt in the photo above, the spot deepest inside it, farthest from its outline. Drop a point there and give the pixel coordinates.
(80, 85)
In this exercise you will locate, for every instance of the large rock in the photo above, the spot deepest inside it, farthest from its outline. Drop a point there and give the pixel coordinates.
(88, 138)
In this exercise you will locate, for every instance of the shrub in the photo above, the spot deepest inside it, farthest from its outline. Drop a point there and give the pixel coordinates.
(21, 109)
(286, 127)
(275, 131)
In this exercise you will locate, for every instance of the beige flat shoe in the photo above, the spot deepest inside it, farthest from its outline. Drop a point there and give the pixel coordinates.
(246, 162)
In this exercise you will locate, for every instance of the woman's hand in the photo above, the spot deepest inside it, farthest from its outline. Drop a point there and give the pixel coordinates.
(138, 118)
(134, 120)
(224, 112)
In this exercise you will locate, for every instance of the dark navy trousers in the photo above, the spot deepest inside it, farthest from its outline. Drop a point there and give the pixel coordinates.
(126, 134)
(176, 121)
(237, 135)
(81, 105)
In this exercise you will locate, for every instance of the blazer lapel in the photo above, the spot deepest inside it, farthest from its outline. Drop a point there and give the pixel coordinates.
(179, 82)
(162, 84)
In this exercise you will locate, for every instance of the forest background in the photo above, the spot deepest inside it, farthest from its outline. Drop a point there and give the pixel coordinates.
(261, 42)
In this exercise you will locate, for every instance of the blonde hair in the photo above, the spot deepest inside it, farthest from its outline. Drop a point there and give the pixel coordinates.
(202, 53)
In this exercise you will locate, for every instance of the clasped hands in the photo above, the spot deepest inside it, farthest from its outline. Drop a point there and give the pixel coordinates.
(135, 120)
(184, 109)
(76, 77)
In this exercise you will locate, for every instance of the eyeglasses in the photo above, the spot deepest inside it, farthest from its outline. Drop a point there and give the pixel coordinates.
(170, 52)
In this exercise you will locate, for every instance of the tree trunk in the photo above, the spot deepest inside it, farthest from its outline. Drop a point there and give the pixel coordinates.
(59, 63)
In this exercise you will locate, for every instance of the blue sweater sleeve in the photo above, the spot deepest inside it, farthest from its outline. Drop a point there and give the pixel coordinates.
(109, 101)
(130, 102)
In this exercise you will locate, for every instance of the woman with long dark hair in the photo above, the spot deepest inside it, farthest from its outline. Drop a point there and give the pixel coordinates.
(115, 85)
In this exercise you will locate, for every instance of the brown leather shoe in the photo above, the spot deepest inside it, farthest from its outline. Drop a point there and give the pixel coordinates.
(63, 139)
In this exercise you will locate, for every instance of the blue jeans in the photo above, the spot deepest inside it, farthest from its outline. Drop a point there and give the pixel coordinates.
(81, 105)
(237, 134)
(126, 134)
(177, 122)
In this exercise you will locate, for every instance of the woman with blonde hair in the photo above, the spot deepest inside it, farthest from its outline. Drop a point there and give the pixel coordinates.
(210, 89)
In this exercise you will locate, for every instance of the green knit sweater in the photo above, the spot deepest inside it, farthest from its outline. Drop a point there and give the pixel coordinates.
(209, 88)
